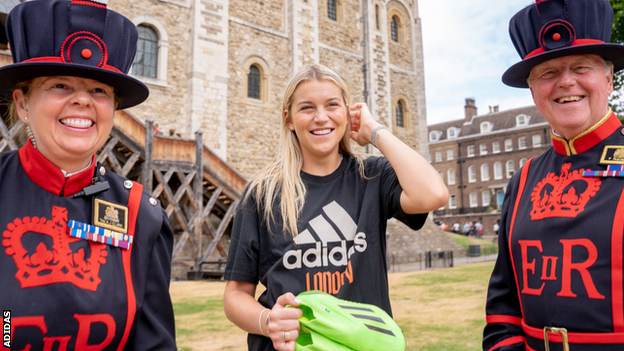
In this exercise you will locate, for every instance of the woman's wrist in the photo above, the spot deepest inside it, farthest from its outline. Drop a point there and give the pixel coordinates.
(375, 133)
(260, 322)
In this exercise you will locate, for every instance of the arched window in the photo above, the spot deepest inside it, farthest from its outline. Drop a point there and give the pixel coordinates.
(331, 9)
(376, 16)
(253, 82)
(509, 167)
(394, 29)
(522, 161)
(146, 60)
(399, 114)
(450, 176)
(485, 172)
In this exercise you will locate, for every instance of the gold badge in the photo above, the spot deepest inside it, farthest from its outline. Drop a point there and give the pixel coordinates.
(110, 215)
(612, 155)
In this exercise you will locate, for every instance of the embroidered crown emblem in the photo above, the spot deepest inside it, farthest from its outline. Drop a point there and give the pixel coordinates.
(618, 155)
(563, 196)
(43, 264)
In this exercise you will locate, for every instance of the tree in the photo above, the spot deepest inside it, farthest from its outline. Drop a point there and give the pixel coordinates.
(616, 100)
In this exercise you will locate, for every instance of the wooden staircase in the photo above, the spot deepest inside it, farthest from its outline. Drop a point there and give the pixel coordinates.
(198, 190)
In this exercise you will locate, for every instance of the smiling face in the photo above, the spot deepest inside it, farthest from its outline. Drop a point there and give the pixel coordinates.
(572, 92)
(70, 117)
(318, 116)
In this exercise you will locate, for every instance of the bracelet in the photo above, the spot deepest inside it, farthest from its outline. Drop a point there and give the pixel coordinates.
(260, 322)
(375, 132)
(267, 323)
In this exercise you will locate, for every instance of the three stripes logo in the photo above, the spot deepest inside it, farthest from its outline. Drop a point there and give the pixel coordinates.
(330, 248)
(369, 318)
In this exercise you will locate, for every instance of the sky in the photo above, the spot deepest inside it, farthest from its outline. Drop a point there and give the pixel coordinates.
(467, 49)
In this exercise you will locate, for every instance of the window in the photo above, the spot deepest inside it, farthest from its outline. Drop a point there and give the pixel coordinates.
(537, 140)
(485, 198)
(394, 29)
(474, 202)
(438, 156)
(486, 127)
(471, 151)
(482, 149)
(495, 147)
(472, 174)
(452, 132)
(452, 201)
(508, 145)
(146, 60)
(450, 154)
(450, 176)
(522, 120)
(434, 135)
(522, 142)
(522, 162)
(377, 17)
(440, 174)
(399, 114)
(498, 171)
(150, 61)
(485, 172)
(509, 168)
(331, 9)
(253, 82)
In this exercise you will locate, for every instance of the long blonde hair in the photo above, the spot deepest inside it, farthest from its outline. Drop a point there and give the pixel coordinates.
(282, 179)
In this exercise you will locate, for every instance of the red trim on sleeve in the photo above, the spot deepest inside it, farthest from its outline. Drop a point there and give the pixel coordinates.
(501, 318)
(617, 280)
(523, 178)
(509, 341)
(134, 203)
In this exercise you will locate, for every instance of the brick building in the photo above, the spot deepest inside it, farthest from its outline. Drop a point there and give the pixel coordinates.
(476, 156)
(221, 65)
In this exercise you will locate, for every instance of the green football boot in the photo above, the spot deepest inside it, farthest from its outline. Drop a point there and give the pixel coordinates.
(329, 323)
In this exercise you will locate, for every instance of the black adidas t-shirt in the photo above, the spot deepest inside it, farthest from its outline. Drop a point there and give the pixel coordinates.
(341, 244)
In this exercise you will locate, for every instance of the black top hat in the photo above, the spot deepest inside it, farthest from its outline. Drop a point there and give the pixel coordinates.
(554, 28)
(79, 38)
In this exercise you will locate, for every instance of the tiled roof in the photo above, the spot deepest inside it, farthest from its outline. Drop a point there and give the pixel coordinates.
(503, 120)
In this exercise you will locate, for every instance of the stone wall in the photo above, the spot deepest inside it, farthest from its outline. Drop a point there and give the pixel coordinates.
(267, 13)
(405, 244)
(401, 53)
(253, 125)
(168, 95)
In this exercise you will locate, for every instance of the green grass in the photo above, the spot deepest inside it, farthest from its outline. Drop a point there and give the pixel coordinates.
(438, 310)
(443, 309)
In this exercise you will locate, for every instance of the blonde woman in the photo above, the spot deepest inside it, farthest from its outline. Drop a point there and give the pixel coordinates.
(316, 218)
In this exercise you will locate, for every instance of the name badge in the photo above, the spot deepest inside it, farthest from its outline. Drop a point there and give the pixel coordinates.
(110, 215)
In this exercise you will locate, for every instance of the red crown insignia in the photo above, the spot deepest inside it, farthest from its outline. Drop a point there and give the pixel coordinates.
(563, 196)
(46, 265)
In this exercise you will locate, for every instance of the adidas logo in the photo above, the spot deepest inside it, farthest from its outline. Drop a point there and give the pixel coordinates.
(323, 235)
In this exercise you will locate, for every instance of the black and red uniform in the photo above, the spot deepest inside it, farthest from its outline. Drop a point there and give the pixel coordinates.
(66, 293)
(561, 250)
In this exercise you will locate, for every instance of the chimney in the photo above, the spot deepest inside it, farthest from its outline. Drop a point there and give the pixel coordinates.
(496, 108)
(470, 108)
